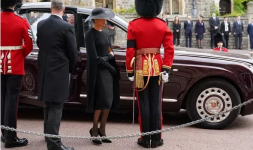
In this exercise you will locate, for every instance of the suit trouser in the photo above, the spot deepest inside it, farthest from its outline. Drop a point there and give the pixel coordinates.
(238, 36)
(212, 39)
(149, 102)
(188, 36)
(176, 38)
(10, 90)
(226, 37)
(251, 42)
(52, 120)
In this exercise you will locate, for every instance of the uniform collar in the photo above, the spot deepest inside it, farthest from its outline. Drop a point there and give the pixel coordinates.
(7, 10)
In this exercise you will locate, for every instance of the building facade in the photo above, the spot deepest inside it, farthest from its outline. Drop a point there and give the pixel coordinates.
(170, 7)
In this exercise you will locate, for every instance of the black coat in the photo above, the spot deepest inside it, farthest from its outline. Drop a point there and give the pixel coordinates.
(222, 27)
(92, 66)
(214, 23)
(57, 58)
(200, 27)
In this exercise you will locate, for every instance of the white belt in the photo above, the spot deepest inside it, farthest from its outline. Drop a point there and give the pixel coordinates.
(11, 48)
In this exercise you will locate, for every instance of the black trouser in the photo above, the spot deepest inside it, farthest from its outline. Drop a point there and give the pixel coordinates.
(52, 120)
(176, 36)
(238, 36)
(10, 90)
(188, 36)
(251, 42)
(226, 37)
(150, 115)
(212, 39)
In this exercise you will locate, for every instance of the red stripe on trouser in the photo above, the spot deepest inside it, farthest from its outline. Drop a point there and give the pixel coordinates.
(18, 100)
(162, 107)
(139, 119)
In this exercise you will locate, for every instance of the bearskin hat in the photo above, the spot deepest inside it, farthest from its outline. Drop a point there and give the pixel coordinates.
(8, 3)
(218, 38)
(148, 8)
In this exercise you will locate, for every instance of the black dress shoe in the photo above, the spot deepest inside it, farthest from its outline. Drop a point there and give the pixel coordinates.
(105, 140)
(143, 143)
(155, 144)
(62, 147)
(95, 141)
(2, 139)
(16, 142)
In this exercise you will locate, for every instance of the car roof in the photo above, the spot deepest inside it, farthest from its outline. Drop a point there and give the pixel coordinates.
(79, 9)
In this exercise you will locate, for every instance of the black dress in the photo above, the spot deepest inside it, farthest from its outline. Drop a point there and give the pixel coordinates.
(97, 46)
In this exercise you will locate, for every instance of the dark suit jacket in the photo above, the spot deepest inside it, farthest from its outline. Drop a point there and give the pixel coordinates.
(222, 28)
(200, 27)
(250, 29)
(57, 58)
(188, 26)
(166, 20)
(237, 28)
(176, 26)
(214, 23)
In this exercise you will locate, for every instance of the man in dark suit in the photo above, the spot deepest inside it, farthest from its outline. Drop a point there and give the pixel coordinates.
(214, 27)
(225, 30)
(250, 32)
(57, 58)
(165, 19)
(188, 24)
(238, 31)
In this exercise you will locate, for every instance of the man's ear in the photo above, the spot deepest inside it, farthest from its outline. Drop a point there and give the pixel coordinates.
(63, 11)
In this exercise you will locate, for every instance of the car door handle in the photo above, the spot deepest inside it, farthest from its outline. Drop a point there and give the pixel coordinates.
(175, 70)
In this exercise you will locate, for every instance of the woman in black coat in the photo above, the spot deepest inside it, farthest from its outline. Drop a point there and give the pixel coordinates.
(176, 31)
(103, 82)
(200, 31)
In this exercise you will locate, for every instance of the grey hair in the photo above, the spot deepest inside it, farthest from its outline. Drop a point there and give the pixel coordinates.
(57, 4)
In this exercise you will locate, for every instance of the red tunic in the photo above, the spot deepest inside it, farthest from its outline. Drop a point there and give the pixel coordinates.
(16, 43)
(222, 49)
(150, 33)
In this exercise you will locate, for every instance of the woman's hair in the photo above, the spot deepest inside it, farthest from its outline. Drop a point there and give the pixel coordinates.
(177, 19)
(200, 17)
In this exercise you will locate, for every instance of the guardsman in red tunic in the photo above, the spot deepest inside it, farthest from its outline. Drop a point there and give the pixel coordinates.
(16, 44)
(146, 67)
(219, 43)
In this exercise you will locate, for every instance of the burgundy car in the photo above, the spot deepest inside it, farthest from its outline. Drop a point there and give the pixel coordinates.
(203, 82)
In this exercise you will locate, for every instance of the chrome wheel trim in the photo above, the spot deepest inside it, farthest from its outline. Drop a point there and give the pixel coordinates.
(212, 101)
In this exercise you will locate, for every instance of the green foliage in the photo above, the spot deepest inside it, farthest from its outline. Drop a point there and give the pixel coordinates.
(130, 10)
(234, 14)
(214, 9)
(239, 7)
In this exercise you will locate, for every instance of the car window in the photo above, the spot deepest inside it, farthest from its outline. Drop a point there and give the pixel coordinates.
(35, 17)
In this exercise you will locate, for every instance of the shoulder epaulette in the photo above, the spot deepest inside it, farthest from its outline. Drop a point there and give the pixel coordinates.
(19, 16)
(160, 19)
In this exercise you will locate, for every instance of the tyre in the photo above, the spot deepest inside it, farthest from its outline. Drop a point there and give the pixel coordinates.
(210, 97)
(30, 83)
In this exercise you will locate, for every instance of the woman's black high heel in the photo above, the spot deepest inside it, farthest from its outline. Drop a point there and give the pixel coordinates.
(95, 141)
(105, 140)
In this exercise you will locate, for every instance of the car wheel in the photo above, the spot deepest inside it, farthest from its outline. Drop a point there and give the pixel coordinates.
(211, 97)
(30, 85)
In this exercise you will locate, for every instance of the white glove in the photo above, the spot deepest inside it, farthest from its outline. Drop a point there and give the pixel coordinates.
(165, 77)
(131, 78)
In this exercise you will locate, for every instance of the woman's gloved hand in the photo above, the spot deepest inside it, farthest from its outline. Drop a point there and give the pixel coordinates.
(110, 68)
